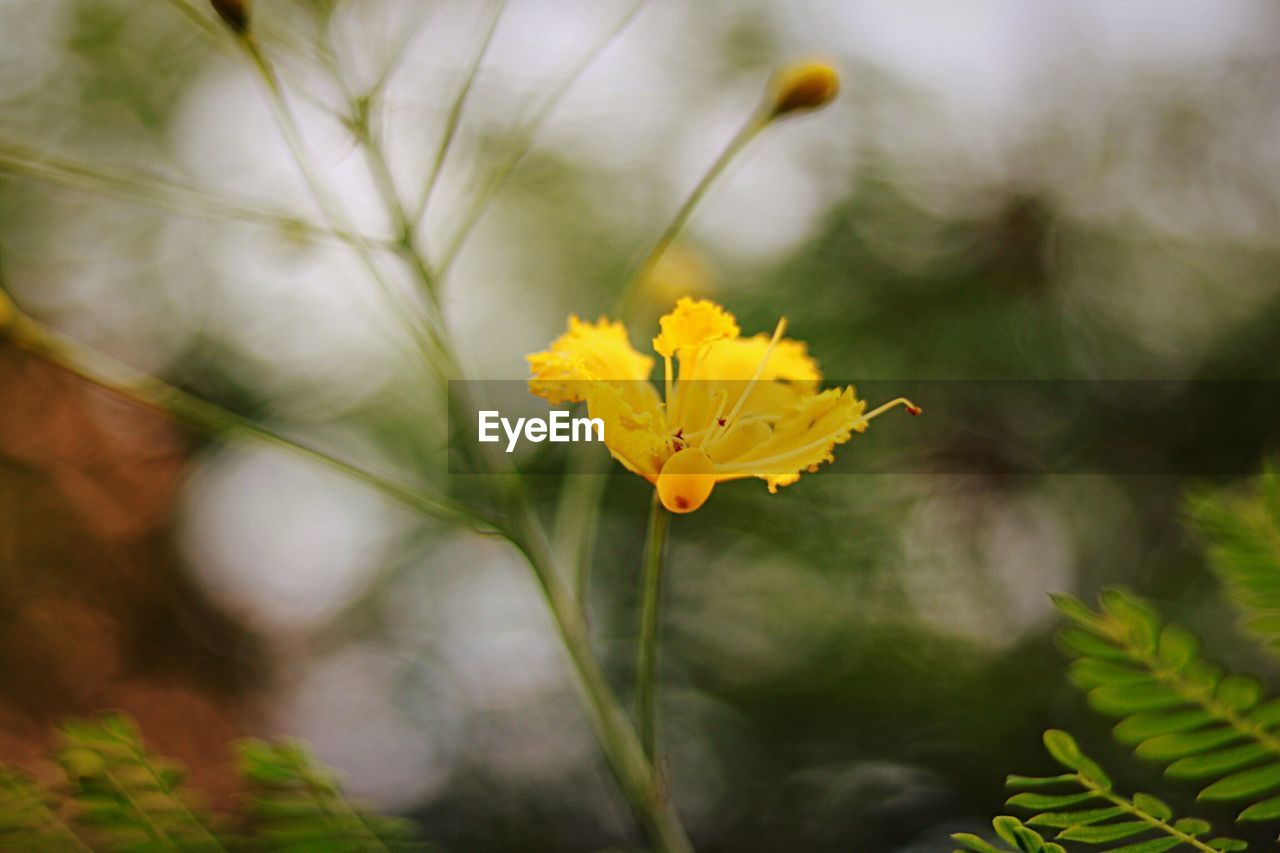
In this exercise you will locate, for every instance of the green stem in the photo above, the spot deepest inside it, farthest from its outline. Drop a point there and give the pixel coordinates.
(165, 194)
(577, 515)
(650, 625)
(758, 121)
(454, 119)
(525, 139)
(634, 772)
(1130, 808)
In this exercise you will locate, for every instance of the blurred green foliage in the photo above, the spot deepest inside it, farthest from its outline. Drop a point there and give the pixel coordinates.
(115, 795)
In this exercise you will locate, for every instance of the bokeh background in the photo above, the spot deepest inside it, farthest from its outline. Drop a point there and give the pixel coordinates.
(1004, 190)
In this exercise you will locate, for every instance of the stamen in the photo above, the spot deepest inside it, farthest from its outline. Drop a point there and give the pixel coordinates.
(723, 425)
(666, 375)
(912, 408)
(686, 371)
(724, 399)
(757, 465)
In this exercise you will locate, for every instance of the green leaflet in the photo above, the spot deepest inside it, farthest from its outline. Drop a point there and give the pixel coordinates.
(1154, 845)
(1153, 806)
(1122, 699)
(1048, 801)
(1013, 781)
(1214, 764)
(1149, 724)
(1182, 744)
(1192, 826)
(1087, 673)
(1104, 834)
(1246, 783)
(1085, 817)
(1265, 810)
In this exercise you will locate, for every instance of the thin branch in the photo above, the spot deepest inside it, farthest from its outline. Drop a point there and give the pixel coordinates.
(655, 548)
(454, 118)
(525, 139)
(397, 53)
(425, 329)
(163, 193)
(105, 372)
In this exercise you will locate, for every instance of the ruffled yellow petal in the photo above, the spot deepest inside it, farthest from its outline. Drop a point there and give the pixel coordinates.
(693, 323)
(801, 440)
(634, 428)
(584, 353)
(739, 359)
(724, 369)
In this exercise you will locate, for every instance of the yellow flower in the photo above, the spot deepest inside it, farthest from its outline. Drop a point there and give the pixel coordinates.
(740, 407)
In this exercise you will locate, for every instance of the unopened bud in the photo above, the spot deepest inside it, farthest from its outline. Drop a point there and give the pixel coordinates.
(802, 86)
(235, 13)
(679, 271)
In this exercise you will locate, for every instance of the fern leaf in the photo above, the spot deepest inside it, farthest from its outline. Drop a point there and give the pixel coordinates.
(297, 805)
(1103, 817)
(1243, 535)
(27, 822)
(126, 798)
(1176, 708)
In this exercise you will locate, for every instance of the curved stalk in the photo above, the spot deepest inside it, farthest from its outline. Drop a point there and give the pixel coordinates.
(526, 137)
(164, 194)
(758, 121)
(207, 417)
(624, 753)
(650, 625)
(454, 119)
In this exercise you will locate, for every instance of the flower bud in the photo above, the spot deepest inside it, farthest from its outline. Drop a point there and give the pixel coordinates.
(679, 271)
(802, 86)
(234, 13)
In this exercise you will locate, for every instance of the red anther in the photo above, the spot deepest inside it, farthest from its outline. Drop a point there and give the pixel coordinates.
(720, 421)
(913, 410)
